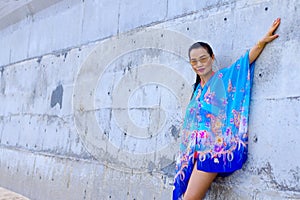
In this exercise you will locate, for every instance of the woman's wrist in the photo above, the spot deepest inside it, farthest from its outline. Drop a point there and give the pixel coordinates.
(261, 44)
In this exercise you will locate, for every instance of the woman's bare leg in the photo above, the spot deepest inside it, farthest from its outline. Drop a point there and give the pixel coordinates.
(198, 184)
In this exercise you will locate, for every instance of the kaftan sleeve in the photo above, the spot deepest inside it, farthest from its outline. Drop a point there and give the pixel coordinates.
(229, 91)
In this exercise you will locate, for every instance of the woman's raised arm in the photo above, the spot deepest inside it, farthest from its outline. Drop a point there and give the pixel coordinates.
(269, 37)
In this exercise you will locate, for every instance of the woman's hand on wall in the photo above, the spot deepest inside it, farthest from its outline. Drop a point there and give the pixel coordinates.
(269, 37)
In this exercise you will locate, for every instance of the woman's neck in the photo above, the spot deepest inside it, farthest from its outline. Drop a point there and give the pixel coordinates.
(206, 77)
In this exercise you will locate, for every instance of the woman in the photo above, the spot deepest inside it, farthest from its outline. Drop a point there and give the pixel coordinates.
(214, 137)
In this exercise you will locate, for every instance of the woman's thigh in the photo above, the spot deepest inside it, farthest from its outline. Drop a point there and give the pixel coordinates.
(198, 184)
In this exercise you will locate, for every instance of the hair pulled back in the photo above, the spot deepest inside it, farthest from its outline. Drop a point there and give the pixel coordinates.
(209, 51)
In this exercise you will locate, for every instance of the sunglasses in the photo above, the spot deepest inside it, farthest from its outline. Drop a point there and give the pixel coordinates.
(202, 60)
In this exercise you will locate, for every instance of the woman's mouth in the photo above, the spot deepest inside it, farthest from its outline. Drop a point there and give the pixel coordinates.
(201, 69)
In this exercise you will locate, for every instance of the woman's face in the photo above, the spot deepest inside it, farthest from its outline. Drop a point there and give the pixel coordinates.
(201, 61)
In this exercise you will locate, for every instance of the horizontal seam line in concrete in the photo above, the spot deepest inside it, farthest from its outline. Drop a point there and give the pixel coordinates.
(277, 99)
(93, 161)
(136, 29)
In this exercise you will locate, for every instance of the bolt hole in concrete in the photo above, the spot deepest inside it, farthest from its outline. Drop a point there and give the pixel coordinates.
(225, 19)
(255, 139)
(266, 8)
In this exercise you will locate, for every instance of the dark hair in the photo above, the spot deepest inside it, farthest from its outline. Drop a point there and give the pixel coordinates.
(209, 51)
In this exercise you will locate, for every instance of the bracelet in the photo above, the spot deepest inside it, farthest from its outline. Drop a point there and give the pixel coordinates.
(260, 44)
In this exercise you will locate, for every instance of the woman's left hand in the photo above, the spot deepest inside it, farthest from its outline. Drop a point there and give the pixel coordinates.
(270, 36)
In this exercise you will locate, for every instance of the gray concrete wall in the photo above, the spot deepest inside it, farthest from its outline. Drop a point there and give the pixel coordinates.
(92, 95)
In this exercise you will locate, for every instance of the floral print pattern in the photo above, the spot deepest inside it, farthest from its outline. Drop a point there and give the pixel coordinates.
(215, 128)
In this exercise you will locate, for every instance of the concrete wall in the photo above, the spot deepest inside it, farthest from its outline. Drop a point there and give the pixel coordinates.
(92, 95)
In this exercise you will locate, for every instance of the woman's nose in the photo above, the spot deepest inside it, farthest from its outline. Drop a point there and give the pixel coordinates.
(199, 64)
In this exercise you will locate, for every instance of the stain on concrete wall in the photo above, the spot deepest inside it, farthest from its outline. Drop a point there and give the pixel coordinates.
(57, 96)
(92, 109)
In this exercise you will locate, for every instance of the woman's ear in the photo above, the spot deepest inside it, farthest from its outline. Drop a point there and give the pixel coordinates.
(213, 56)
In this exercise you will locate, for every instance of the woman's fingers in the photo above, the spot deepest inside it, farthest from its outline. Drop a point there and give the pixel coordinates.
(274, 26)
(273, 37)
(270, 36)
(276, 20)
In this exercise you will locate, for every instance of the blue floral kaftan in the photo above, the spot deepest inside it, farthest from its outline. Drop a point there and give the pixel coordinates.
(215, 128)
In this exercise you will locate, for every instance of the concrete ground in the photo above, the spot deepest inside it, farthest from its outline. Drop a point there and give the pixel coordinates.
(9, 195)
